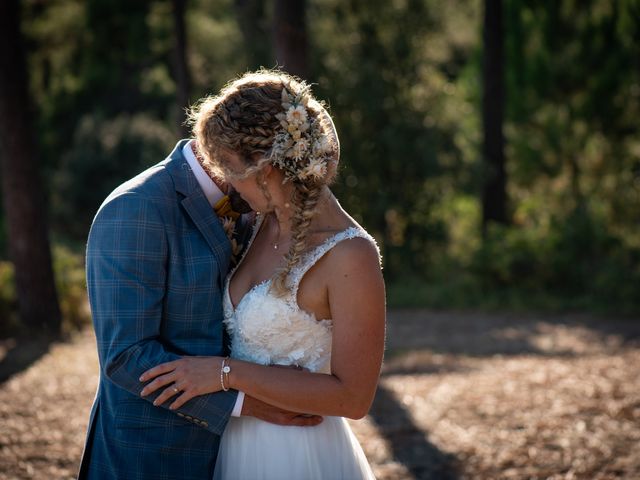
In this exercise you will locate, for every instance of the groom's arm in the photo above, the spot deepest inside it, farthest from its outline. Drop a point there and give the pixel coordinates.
(127, 256)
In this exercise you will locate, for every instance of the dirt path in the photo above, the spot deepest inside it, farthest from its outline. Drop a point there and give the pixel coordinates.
(461, 396)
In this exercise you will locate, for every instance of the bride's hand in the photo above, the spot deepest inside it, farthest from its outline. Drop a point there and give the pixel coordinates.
(188, 376)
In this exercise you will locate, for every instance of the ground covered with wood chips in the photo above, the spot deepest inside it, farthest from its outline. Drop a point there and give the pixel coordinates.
(462, 396)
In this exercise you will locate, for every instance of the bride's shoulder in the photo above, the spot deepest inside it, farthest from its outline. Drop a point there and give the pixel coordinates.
(356, 248)
(348, 242)
(354, 268)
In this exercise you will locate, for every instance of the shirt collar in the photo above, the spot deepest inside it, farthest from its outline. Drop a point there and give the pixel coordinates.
(210, 189)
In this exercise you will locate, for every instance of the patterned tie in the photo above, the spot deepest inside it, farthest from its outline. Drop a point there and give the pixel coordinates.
(224, 209)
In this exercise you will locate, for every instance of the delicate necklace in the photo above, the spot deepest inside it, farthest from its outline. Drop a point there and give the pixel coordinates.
(325, 198)
(276, 244)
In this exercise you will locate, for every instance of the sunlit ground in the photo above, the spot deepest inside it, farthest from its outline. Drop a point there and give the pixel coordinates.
(462, 396)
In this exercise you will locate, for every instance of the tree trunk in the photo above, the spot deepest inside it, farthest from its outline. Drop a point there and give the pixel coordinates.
(252, 21)
(24, 204)
(290, 36)
(181, 67)
(494, 196)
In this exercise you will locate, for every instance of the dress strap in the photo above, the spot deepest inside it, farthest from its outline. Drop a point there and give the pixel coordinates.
(309, 259)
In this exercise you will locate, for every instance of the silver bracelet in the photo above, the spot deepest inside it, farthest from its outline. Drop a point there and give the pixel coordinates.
(225, 370)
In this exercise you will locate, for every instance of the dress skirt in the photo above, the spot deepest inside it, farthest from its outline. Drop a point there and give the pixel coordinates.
(252, 449)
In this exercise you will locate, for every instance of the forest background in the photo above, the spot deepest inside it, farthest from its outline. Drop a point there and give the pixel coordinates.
(491, 147)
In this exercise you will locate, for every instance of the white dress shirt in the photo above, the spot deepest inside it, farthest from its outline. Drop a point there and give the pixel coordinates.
(213, 194)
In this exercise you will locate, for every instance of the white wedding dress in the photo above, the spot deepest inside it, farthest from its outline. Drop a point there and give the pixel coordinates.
(267, 330)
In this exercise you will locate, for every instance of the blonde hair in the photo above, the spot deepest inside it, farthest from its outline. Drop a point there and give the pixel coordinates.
(243, 118)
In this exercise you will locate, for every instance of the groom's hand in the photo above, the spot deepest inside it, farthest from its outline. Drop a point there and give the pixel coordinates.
(252, 407)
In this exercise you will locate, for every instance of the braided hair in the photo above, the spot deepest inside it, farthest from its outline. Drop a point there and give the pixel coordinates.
(245, 117)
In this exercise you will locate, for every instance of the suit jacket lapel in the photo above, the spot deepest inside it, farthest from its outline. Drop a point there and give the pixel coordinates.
(197, 207)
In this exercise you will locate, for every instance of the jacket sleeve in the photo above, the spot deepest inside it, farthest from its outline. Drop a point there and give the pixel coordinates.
(127, 257)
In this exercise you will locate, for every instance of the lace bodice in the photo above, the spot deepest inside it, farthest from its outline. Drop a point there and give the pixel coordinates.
(267, 329)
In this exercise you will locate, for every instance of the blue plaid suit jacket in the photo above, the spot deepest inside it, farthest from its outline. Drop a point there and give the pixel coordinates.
(156, 261)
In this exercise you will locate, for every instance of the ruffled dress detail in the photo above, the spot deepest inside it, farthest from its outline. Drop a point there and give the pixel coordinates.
(266, 329)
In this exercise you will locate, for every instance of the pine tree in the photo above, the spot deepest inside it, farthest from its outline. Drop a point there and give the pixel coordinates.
(24, 204)
(494, 195)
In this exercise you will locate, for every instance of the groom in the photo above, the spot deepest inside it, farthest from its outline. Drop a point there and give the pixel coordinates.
(157, 257)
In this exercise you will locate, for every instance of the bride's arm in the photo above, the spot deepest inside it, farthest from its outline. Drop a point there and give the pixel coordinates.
(357, 302)
(356, 299)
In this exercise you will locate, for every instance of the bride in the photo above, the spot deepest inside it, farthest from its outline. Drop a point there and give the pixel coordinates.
(307, 292)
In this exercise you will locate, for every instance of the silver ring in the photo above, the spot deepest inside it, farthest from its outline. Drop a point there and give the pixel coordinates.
(175, 390)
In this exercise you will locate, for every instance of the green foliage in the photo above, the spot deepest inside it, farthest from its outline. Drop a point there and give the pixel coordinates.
(68, 267)
(391, 92)
(402, 79)
(3, 238)
(217, 53)
(70, 284)
(103, 153)
(573, 104)
(571, 263)
(99, 57)
(8, 302)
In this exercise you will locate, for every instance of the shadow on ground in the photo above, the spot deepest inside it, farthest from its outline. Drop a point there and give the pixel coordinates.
(484, 335)
(409, 444)
(19, 353)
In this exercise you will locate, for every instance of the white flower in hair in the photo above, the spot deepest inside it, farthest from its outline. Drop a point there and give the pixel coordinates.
(322, 146)
(295, 134)
(302, 144)
(316, 169)
(297, 115)
(299, 148)
(283, 120)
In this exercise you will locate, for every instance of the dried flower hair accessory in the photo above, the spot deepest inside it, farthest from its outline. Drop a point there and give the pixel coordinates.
(301, 149)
